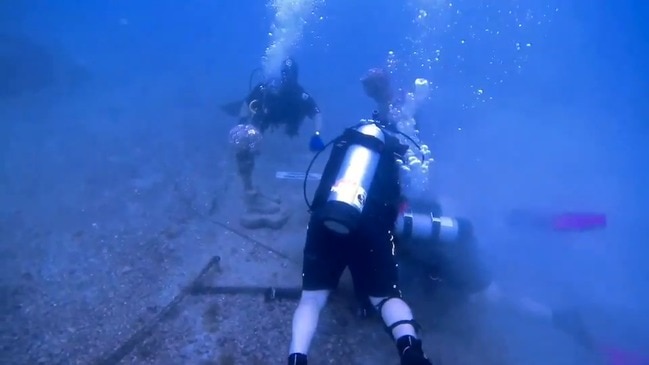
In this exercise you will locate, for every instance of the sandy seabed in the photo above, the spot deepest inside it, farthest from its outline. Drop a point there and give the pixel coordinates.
(103, 233)
(75, 293)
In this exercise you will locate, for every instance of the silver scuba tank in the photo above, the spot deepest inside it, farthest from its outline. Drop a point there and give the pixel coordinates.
(348, 194)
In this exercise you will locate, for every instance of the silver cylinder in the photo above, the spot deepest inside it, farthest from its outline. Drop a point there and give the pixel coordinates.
(426, 227)
(355, 177)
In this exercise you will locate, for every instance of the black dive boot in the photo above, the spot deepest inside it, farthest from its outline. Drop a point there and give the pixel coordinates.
(411, 352)
(297, 359)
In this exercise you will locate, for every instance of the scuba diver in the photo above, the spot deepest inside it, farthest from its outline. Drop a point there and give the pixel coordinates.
(359, 220)
(436, 251)
(433, 250)
(352, 221)
(275, 103)
(419, 256)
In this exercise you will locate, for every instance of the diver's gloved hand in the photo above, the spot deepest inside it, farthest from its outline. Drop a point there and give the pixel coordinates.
(570, 322)
(316, 144)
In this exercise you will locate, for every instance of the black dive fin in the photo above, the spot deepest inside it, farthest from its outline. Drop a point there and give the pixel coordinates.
(232, 108)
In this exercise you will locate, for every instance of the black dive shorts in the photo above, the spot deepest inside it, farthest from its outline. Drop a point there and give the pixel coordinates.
(368, 252)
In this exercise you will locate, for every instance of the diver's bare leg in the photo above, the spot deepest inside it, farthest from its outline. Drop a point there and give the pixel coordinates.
(246, 164)
(255, 201)
(305, 320)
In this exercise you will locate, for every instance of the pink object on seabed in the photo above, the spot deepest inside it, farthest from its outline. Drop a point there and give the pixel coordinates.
(616, 356)
(578, 221)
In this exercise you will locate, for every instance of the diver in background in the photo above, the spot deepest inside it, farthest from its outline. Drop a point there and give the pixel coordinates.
(272, 104)
(281, 102)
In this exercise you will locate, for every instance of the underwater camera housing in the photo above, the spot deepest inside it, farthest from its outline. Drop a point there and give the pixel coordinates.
(431, 228)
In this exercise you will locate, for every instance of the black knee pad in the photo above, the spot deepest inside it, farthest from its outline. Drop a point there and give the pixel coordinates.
(394, 325)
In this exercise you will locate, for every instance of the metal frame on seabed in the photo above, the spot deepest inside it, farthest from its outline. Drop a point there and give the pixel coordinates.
(194, 288)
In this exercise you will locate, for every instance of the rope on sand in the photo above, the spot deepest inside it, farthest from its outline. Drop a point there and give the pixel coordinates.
(230, 229)
(252, 240)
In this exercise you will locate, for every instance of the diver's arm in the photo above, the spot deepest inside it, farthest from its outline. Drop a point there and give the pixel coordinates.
(244, 113)
(317, 122)
(252, 100)
(313, 112)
